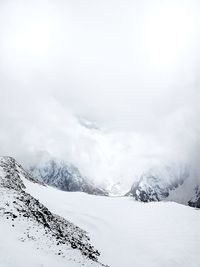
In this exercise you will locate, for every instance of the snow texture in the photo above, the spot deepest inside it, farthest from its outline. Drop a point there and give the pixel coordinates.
(128, 232)
(168, 183)
(24, 219)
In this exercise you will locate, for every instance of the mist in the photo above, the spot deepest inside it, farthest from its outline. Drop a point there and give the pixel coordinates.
(110, 86)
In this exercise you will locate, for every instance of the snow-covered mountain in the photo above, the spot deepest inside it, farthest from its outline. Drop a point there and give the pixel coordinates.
(127, 232)
(65, 177)
(164, 183)
(24, 219)
(188, 193)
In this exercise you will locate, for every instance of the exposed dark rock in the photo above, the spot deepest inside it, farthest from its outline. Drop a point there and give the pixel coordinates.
(13, 170)
(65, 177)
(23, 205)
(195, 201)
(156, 185)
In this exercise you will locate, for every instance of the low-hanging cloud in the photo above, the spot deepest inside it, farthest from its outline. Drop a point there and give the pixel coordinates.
(62, 63)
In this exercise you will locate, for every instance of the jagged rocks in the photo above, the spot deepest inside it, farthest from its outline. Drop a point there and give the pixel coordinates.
(65, 177)
(157, 184)
(11, 173)
(17, 205)
(195, 200)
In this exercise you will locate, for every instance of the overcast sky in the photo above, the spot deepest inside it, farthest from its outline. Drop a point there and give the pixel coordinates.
(130, 68)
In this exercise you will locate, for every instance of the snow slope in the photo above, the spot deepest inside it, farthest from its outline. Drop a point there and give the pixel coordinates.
(159, 182)
(130, 233)
(31, 235)
(18, 252)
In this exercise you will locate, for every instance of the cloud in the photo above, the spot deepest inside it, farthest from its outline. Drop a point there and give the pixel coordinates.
(64, 62)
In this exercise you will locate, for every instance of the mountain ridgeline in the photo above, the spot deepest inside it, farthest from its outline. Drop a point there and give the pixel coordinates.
(65, 177)
(167, 183)
(163, 183)
(39, 224)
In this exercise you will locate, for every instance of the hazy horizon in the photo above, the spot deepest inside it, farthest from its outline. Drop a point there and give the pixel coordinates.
(109, 86)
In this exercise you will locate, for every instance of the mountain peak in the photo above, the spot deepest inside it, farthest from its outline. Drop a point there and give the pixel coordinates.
(64, 176)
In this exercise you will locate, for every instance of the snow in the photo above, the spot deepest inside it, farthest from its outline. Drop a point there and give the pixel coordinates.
(15, 253)
(25, 242)
(30, 234)
(129, 233)
(184, 192)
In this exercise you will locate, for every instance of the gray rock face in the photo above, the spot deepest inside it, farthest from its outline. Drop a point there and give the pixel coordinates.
(195, 200)
(65, 177)
(157, 184)
(12, 172)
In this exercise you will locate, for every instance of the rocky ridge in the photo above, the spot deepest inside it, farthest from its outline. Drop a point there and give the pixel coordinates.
(16, 205)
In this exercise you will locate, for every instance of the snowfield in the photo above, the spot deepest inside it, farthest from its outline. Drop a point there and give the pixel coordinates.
(128, 233)
(33, 236)
(14, 252)
(25, 242)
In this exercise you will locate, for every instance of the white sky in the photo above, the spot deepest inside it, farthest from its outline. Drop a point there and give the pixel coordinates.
(132, 67)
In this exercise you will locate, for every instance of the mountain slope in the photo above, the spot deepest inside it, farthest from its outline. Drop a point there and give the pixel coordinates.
(195, 200)
(128, 232)
(188, 193)
(158, 183)
(26, 219)
(168, 183)
(65, 177)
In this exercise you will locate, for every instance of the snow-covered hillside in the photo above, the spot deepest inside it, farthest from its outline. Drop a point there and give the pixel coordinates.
(127, 232)
(31, 235)
(64, 176)
(168, 183)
